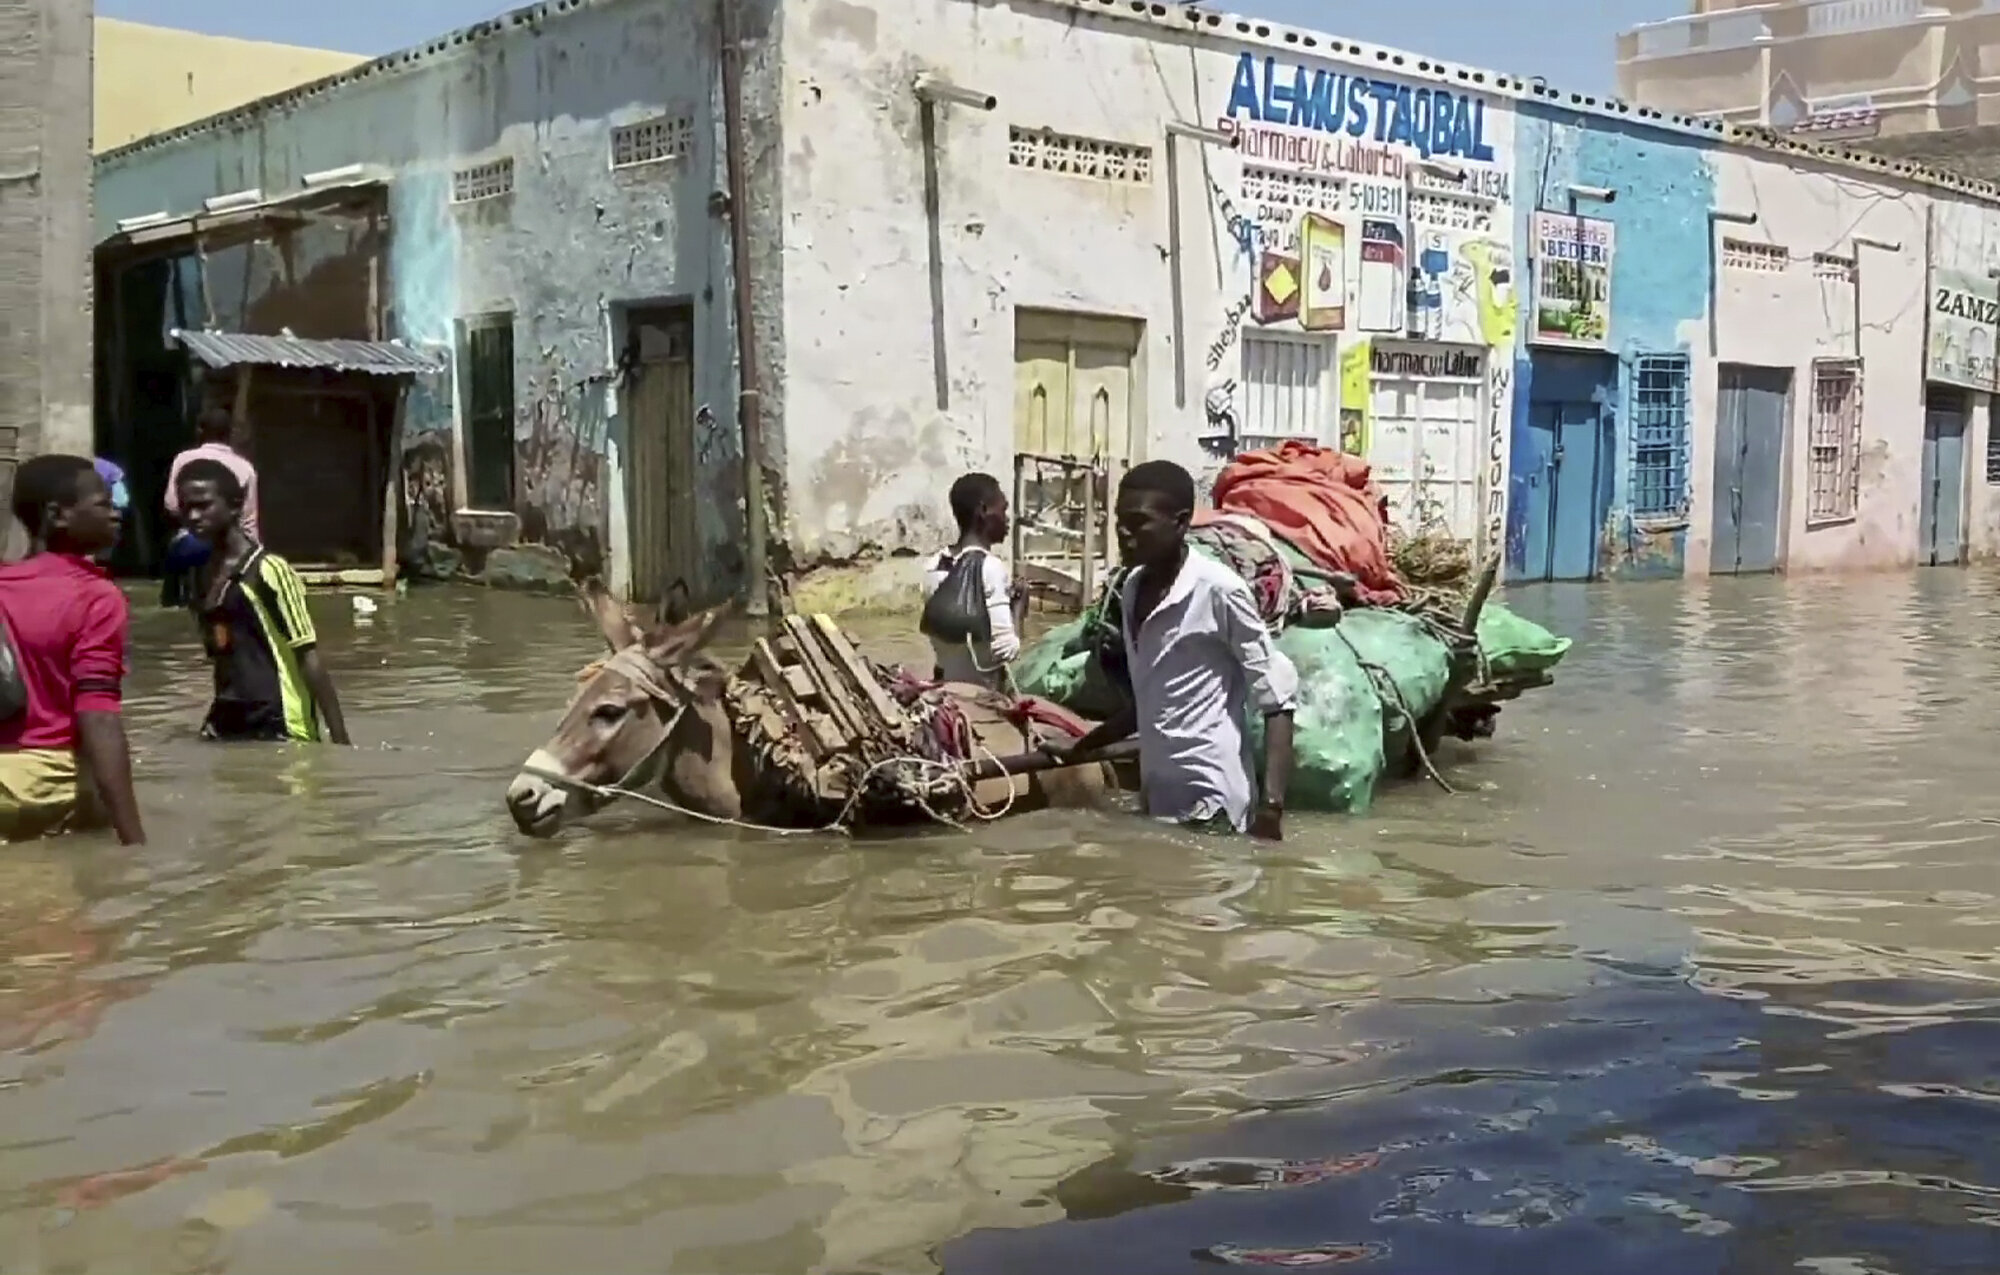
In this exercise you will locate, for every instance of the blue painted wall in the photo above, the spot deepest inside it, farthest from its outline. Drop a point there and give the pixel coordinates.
(574, 242)
(1660, 285)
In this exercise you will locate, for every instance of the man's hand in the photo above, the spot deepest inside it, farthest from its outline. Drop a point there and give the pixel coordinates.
(1268, 822)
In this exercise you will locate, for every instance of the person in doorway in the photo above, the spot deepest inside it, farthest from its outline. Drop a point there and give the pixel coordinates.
(186, 553)
(973, 611)
(1198, 652)
(65, 763)
(270, 682)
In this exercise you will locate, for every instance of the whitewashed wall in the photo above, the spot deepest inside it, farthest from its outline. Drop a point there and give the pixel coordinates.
(1789, 316)
(869, 452)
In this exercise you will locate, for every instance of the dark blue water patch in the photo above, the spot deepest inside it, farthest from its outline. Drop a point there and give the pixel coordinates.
(1639, 1125)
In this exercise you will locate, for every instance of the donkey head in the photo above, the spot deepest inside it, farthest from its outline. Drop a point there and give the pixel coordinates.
(615, 735)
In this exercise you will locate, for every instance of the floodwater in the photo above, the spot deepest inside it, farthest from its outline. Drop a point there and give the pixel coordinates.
(1697, 972)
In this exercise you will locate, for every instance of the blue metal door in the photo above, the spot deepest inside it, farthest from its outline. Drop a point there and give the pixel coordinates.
(1751, 406)
(1565, 460)
(1563, 465)
(1941, 519)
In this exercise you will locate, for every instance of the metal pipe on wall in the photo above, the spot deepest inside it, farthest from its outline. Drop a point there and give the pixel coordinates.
(1715, 265)
(1860, 242)
(933, 92)
(758, 600)
(1210, 137)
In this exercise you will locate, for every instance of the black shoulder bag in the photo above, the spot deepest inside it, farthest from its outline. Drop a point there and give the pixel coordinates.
(956, 610)
(13, 687)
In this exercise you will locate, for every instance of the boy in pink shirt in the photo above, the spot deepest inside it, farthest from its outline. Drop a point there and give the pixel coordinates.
(186, 553)
(213, 430)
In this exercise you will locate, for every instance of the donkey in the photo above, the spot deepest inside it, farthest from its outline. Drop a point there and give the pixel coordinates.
(654, 716)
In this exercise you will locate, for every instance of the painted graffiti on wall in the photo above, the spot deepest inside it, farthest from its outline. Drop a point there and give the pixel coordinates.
(1461, 268)
(559, 461)
(1360, 207)
(1964, 299)
(1493, 479)
(1573, 258)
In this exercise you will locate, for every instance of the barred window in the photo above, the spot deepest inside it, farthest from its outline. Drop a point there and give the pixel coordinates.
(1660, 436)
(1834, 463)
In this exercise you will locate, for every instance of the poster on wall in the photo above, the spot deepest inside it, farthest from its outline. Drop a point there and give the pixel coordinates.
(1364, 204)
(1573, 259)
(1355, 395)
(1461, 266)
(1962, 331)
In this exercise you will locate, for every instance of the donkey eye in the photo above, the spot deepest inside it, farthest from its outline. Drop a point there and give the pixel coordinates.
(608, 713)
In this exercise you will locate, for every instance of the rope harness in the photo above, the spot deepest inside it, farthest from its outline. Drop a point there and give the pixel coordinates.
(951, 734)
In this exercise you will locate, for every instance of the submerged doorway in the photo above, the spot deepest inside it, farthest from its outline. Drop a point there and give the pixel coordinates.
(662, 529)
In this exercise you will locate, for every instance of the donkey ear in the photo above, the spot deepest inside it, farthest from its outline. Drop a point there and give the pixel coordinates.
(608, 614)
(669, 644)
(677, 605)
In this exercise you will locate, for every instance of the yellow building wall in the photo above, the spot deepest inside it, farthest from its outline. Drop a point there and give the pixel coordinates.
(151, 79)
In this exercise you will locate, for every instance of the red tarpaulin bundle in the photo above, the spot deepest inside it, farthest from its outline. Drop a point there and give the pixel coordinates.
(1324, 503)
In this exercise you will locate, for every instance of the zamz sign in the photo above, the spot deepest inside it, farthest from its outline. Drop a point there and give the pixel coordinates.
(1434, 122)
(1963, 305)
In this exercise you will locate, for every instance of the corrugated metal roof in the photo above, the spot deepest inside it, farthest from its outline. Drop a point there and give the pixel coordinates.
(376, 358)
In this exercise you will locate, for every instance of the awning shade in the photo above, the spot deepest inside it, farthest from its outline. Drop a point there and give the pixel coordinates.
(374, 358)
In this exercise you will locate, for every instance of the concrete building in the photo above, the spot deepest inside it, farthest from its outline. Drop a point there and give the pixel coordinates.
(44, 232)
(150, 79)
(1596, 339)
(1847, 69)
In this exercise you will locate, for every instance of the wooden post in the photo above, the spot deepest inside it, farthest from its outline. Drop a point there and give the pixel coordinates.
(375, 282)
(392, 505)
(239, 428)
(201, 273)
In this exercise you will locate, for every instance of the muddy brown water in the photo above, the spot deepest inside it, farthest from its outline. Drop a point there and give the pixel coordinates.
(1698, 972)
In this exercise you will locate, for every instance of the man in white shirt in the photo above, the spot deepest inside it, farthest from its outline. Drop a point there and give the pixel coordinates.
(976, 648)
(1199, 654)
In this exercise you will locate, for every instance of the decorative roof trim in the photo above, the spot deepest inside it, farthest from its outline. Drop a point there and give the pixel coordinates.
(1181, 19)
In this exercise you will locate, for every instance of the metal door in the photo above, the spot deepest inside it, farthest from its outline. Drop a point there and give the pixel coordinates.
(1941, 519)
(1074, 377)
(1751, 408)
(1425, 449)
(660, 461)
(1565, 469)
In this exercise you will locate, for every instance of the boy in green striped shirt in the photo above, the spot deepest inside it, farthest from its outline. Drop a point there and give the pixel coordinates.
(270, 683)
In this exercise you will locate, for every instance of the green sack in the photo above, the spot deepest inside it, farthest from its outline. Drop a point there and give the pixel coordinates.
(1051, 666)
(1356, 681)
(1517, 647)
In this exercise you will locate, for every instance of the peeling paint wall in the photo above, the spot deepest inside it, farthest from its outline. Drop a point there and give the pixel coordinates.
(871, 449)
(1792, 309)
(574, 239)
(1658, 297)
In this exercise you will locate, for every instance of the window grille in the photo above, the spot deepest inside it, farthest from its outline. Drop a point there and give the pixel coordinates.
(483, 181)
(1051, 152)
(1290, 390)
(1284, 188)
(1835, 442)
(652, 141)
(1992, 454)
(1660, 436)
(1742, 254)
